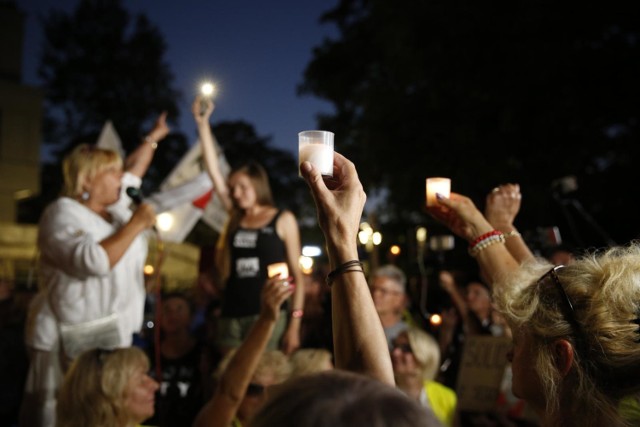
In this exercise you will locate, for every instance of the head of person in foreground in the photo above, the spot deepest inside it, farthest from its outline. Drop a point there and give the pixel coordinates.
(576, 349)
(107, 388)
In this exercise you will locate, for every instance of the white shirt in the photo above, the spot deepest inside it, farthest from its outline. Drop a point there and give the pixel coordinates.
(79, 286)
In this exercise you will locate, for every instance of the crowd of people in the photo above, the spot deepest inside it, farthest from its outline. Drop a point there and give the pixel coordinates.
(293, 349)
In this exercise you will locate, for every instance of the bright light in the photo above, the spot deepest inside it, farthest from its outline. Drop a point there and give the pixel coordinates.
(311, 251)
(435, 319)
(364, 226)
(421, 234)
(164, 221)
(364, 236)
(207, 89)
(148, 269)
(306, 264)
(376, 238)
(395, 250)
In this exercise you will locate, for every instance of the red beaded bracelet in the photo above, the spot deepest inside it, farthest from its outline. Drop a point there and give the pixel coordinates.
(484, 236)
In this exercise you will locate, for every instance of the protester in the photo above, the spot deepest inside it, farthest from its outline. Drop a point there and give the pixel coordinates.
(180, 395)
(575, 356)
(247, 372)
(92, 255)
(416, 362)
(339, 398)
(107, 388)
(257, 234)
(388, 285)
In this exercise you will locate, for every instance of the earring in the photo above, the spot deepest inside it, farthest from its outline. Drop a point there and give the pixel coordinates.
(84, 196)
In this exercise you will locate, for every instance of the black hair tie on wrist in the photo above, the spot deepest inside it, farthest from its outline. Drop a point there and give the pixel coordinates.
(347, 267)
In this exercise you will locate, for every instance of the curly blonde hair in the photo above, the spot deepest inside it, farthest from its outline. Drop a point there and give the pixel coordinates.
(93, 390)
(604, 289)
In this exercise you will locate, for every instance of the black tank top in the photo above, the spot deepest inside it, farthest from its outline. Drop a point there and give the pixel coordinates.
(252, 250)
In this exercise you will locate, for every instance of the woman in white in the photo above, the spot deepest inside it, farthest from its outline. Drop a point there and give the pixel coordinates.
(92, 254)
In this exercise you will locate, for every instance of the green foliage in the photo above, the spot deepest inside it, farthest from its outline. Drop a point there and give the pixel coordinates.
(487, 93)
(98, 65)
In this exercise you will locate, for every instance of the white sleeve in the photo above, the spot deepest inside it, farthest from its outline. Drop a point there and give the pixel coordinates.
(65, 243)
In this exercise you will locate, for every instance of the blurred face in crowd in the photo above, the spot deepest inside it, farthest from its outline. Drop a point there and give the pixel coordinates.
(139, 396)
(242, 191)
(478, 298)
(402, 358)
(388, 296)
(176, 314)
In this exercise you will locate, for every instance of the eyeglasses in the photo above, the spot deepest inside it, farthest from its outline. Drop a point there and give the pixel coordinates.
(255, 390)
(384, 292)
(569, 312)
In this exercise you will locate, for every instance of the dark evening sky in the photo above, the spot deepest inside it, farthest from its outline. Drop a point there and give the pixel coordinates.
(255, 51)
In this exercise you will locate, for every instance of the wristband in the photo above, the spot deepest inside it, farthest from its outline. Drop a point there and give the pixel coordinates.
(297, 314)
(347, 267)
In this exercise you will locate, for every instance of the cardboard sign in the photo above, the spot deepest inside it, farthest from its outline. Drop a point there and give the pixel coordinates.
(484, 360)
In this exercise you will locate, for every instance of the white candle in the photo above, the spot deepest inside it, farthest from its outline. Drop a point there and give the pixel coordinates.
(278, 269)
(437, 185)
(316, 147)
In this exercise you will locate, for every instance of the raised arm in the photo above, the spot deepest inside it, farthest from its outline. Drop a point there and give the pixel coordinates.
(208, 149)
(223, 406)
(139, 160)
(502, 207)
(359, 341)
(464, 219)
(291, 235)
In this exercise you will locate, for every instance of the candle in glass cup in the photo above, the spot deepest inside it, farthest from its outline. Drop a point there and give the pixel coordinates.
(437, 185)
(316, 146)
(278, 269)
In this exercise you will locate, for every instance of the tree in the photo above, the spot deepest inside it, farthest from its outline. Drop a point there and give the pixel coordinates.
(99, 63)
(487, 92)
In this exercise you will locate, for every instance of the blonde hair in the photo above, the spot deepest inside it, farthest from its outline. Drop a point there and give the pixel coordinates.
(272, 362)
(93, 390)
(83, 164)
(309, 361)
(604, 289)
(426, 351)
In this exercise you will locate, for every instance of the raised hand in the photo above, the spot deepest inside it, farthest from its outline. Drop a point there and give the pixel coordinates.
(502, 206)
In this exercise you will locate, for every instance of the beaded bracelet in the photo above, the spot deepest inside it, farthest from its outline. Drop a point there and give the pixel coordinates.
(347, 267)
(512, 233)
(297, 314)
(484, 236)
(485, 243)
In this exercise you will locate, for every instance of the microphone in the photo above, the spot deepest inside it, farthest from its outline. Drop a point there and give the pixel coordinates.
(135, 194)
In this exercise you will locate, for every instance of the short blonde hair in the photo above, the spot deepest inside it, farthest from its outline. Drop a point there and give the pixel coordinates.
(273, 362)
(83, 164)
(309, 361)
(426, 351)
(92, 393)
(604, 289)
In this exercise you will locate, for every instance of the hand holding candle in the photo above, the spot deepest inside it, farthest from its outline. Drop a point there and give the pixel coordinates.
(437, 186)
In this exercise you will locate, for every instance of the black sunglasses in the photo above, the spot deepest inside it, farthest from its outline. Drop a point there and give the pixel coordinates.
(405, 348)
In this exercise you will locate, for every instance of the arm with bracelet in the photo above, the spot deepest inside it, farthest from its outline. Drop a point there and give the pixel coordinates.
(139, 160)
(501, 208)
(359, 341)
(485, 243)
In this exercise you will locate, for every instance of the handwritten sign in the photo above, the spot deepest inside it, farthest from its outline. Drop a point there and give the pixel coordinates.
(484, 360)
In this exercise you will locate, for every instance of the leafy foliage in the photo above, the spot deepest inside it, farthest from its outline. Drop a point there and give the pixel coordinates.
(486, 93)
